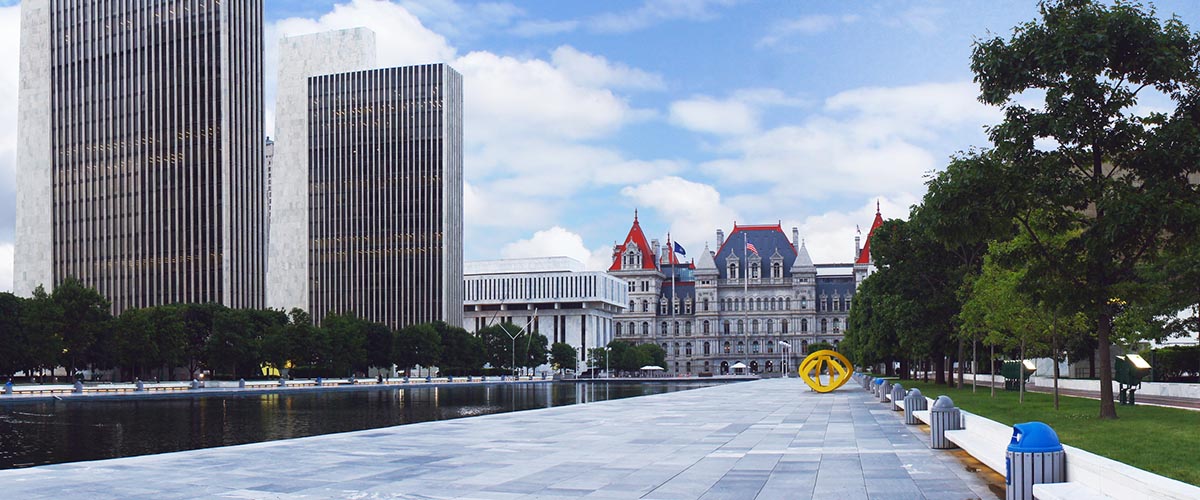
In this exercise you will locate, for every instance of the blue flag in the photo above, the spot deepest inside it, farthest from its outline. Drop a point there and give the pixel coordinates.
(679, 249)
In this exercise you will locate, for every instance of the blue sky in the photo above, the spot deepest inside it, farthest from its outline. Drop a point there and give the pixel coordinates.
(698, 113)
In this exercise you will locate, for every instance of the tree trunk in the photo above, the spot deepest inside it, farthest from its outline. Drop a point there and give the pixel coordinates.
(1021, 374)
(960, 363)
(1108, 410)
(938, 364)
(1054, 357)
(1092, 366)
(904, 368)
(974, 364)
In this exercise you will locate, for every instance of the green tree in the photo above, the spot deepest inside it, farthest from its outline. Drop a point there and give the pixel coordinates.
(563, 356)
(533, 351)
(379, 346)
(85, 317)
(417, 345)
(15, 352)
(136, 341)
(499, 344)
(41, 319)
(1086, 155)
(653, 355)
(233, 346)
(347, 338)
(462, 352)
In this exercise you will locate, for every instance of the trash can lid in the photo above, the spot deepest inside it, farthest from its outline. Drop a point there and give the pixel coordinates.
(943, 403)
(914, 392)
(878, 381)
(897, 387)
(1034, 437)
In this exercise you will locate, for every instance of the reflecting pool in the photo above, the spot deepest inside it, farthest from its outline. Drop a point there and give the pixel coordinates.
(56, 432)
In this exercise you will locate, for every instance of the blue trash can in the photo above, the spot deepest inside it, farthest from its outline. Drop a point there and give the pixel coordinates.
(1034, 456)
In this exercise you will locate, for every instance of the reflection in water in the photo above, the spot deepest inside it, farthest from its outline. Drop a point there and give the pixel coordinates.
(47, 433)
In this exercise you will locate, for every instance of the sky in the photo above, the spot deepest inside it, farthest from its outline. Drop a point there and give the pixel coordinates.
(698, 114)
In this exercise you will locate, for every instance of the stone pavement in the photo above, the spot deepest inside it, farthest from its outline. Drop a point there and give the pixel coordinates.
(768, 439)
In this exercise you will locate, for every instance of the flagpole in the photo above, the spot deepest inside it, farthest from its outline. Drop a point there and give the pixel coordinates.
(746, 298)
(674, 278)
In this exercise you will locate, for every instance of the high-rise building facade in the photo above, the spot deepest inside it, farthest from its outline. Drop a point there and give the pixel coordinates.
(385, 194)
(140, 150)
(367, 184)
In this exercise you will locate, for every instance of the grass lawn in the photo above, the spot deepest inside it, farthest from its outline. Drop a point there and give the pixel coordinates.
(1164, 441)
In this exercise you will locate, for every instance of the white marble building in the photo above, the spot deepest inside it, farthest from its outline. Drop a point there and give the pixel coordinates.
(555, 296)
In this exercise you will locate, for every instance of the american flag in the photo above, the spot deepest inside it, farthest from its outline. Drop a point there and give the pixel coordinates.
(750, 247)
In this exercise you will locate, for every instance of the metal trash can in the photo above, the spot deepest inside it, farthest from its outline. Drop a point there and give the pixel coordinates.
(885, 391)
(1035, 456)
(943, 416)
(897, 396)
(875, 386)
(914, 401)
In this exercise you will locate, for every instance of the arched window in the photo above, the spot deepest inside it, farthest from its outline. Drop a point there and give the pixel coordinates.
(783, 326)
(687, 306)
(704, 328)
(804, 326)
(824, 325)
(687, 328)
(645, 328)
(804, 347)
(726, 326)
(777, 270)
(837, 325)
(770, 326)
(687, 350)
(770, 347)
(676, 329)
(677, 349)
(631, 309)
(741, 347)
(787, 303)
(632, 329)
(662, 307)
(726, 346)
(754, 271)
(705, 304)
(645, 305)
(663, 329)
(618, 325)
(754, 327)
(804, 302)
(706, 350)
(733, 270)
(741, 327)
(755, 347)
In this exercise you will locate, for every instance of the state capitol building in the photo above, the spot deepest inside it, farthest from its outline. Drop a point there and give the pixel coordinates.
(735, 308)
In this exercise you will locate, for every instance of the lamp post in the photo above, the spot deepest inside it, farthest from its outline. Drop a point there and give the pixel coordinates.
(783, 357)
(607, 374)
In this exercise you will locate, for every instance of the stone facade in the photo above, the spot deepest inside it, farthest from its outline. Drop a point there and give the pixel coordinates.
(741, 303)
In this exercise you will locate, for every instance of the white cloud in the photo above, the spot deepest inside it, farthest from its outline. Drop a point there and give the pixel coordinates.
(596, 71)
(463, 21)
(6, 267)
(803, 26)
(693, 210)
(713, 116)
(557, 241)
(652, 12)
(829, 236)
(10, 31)
(867, 141)
(542, 27)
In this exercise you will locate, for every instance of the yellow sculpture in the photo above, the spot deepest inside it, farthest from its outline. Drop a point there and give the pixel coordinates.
(832, 362)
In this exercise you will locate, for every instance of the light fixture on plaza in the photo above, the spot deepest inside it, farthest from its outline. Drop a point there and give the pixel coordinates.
(783, 347)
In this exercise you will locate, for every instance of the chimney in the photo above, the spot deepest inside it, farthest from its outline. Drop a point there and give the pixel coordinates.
(654, 245)
(796, 237)
(857, 247)
(720, 238)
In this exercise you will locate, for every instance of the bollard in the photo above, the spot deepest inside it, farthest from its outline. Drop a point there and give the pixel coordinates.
(943, 417)
(8, 387)
(195, 384)
(352, 380)
(885, 391)
(875, 387)
(428, 379)
(406, 379)
(897, 396)
(914, 401)
(282, 382)
(241, 383)
(78, 387)
(319, 381)
(502, 378)
(449, 378)
(140, 386)
(1034, 456)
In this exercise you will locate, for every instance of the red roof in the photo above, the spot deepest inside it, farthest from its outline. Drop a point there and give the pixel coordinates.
(864, 257)
(638, 238)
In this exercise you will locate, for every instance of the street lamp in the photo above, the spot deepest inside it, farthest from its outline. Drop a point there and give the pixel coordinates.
(783, 357)
(607, 374)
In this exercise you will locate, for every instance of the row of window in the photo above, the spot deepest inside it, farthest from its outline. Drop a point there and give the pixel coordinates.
(726, 327)
(727, 347)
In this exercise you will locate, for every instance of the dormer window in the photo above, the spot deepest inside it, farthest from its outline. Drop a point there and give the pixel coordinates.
(776, 270)
(754, 271)
(632, 257)
(733, 270)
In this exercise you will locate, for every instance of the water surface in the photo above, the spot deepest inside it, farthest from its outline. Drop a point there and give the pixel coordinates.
(57, 432)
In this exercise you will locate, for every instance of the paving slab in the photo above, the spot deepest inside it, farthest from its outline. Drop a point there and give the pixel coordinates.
(763, 439)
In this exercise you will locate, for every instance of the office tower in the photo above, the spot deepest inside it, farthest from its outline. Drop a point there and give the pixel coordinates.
(140, 150)
(368, 190)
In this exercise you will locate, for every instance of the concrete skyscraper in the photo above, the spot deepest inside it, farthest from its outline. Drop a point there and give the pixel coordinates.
(140, 150)
(367, 184)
